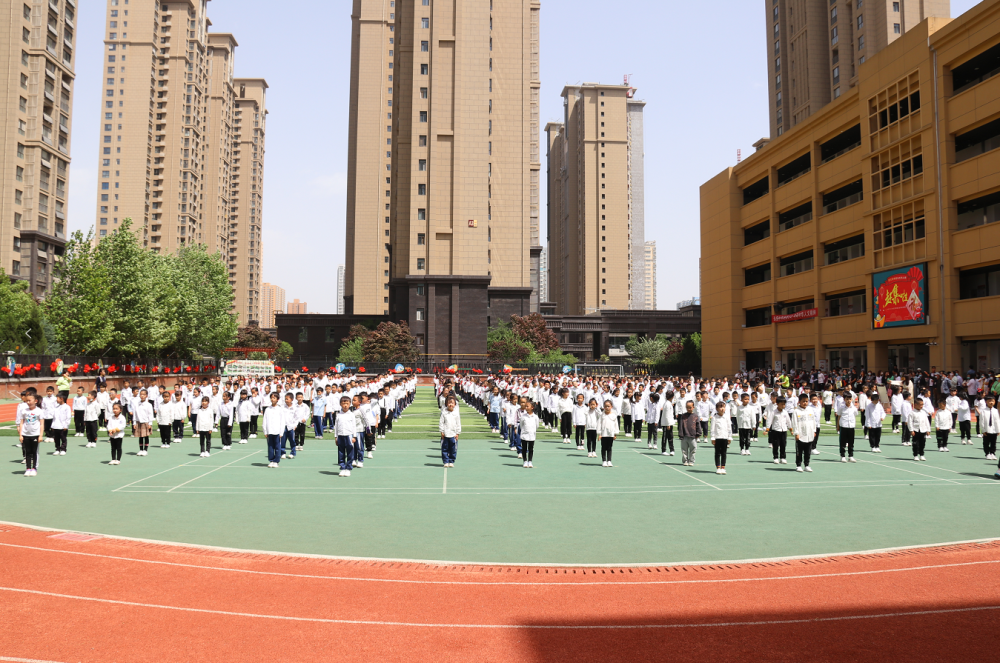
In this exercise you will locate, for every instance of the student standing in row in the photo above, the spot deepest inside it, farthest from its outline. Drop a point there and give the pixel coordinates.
(847, 417)
(990, 427)
(874, 415)
(91, 418)
(227, 415)
(804, 426)
(450, 427)
(920, 425)
(527, 432)
(688, 428)
(143, 421)
(204, 421)
(593, 421)
(943, 422)
(79, 409)
(29, 429)
(60, 424)
(607, 430)
(165, 419)
(778, 424)
(274, 430)
(116, 433)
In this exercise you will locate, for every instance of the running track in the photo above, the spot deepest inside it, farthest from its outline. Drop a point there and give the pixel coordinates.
(105, 599)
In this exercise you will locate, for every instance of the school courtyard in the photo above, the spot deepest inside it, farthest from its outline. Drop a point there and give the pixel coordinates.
(492, 560)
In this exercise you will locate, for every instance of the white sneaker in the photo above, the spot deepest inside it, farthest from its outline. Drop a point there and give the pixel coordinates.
(815, 452)
(194, 435)
(342, 473)
(809, 469)
(945, 449)
(799, 469)
(359, 464)
(777, 462)
(843, 459)
(723, 470)
(531, 465)
(923, 458)
(718, 470)
(851, 460)
(370, 455)
(253, 436)
(243, 441)
(610, 464)
(347, 473)
(604, 463)
(665, 453)
(525, 464)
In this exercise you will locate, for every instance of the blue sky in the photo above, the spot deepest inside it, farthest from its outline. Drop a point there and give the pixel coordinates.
(701, 106)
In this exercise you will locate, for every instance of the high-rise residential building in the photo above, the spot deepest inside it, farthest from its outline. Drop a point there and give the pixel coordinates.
(465, 168)
(595, 207)
(369, 156)
(869, 237)
(171, 143)
(649, 276)
(272, 300)
(246, 250)
(295, 307)
(815, 48)
(543, 275)
(340, 289)
(39, 51)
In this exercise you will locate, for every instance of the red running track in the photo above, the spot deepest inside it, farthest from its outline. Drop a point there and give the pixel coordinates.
(118, 600)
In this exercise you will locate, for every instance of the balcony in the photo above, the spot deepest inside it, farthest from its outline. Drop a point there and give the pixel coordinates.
(840, 198)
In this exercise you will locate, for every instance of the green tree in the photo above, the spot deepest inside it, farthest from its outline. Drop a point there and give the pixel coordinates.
(78, 306)
(205, 323)
(352, 351)
(552, 357)
(20, 318)
(140, 323)
(283, 352)
(503, 344)
(648, 350)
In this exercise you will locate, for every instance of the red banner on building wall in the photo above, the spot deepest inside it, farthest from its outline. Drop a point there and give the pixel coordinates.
(804, 314)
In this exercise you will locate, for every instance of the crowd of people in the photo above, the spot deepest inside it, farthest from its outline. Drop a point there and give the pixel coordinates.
(359, 410)
(786, 409)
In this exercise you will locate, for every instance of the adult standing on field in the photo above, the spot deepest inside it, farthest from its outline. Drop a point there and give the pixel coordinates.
(101, 380)
(64, 383)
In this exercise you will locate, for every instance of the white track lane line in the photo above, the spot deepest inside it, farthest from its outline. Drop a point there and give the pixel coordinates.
(546, 627)
(24, 660)
(155, 475)
(633, 583)
(243, 457)
(677, 470)
(903, 469)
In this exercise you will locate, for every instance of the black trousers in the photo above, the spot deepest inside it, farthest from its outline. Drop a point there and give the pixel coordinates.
(919, 441)
(566, 425)
(225, 431)
(989, 443)
(847, 442)
(826, 412)
(637, 429)
(60, 435)
(78, 424)
(778, 441)
(591, 441)
(606, 443)
(907, 435)
(300, 435)
(667, 438)
(165, 434)
(244, 430)
(651, 434)
(527, 449)
(745, 438)
(206, 440)
(116, 447)
(720, 452)
(253, 424)
(92, 431)
(965, 429)
(942, 439)
(875, 437)
(29, 447)
(178, 429)
(896, 418)
(580, 434)
(803, 453)
(628, 423)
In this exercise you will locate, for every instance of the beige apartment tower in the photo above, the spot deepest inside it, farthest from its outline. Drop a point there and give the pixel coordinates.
(272, 299)
(369, 157)
(595, 215)
(38, 47)
(465, 169)
(649, 276)
(295, 307)
(816, 46)
(171, 143)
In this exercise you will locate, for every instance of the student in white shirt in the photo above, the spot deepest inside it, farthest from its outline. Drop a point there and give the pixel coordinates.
(204, 421)
(142, 413)
(847, 414)
(580, 420)
(79, 408)
(721, 435)
(165, 419)
(116, 433)
(60, 425)
(920, 426)
(593, 420)
(778, 424)
(990, 425)
(91, 418)
(874, 415)
(745, 420)
(527, 427)
(943, 424)
(29, 429)
(450, 427)
(804, 422)
(651, 418)
(963, 416)
(48, 405)
(667, 420)
(607, 430)
(274, 430)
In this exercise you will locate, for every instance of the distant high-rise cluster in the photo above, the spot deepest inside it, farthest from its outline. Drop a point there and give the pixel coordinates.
(295, 307)
(182, 149)
(649, 276)
(39, 53)
(272, 301)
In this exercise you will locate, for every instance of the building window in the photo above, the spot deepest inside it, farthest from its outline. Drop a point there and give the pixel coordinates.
(842, 197)
(861, 43)
(895, 7)
(861, 21)
(420, 264)
(420, 337)
(420, 314)
(980, 282)
(423, 116)
(847, 303)
(833, 15)
(836, 75)
(895, 28)
(424, 47)
(421, 214)
(755, 275)
(421, 164)
(848, 249)
(422, 141)
(421, 189)
(833, 37)
(979, 212)
(756, 233)
(15, 268)
(303, 334)
(795, 217)
(836, 92)
(758, 317)
(977, 141)
(423, 69)
(796, 264)
(421, 237)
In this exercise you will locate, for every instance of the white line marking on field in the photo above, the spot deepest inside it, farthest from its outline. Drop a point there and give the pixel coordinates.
(24, 660)
(243, 457)
(547, 627)
(190, 462)
(911, 472)
(444, 489)
(687, 474)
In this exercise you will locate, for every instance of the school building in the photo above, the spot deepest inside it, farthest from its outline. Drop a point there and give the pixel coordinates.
(867, 234)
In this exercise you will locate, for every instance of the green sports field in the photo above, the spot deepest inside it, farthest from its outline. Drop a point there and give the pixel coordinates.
(648, 509)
